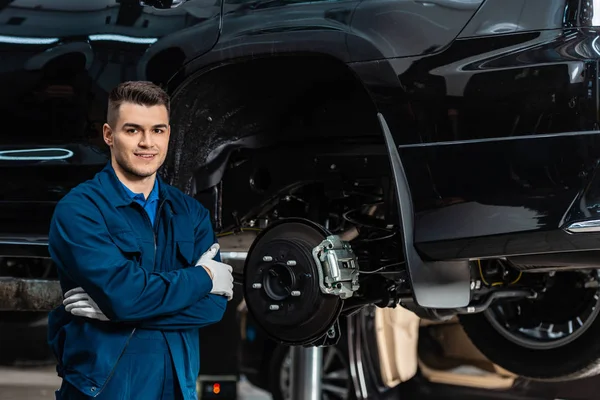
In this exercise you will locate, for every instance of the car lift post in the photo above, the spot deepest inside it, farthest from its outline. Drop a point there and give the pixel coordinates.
(306, 371)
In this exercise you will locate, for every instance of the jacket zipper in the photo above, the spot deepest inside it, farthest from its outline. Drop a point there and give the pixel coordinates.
(112, 371)
(154, 231)
(147, 218)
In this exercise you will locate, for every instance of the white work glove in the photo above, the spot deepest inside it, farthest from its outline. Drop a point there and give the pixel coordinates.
(79, 303)
(222, 277)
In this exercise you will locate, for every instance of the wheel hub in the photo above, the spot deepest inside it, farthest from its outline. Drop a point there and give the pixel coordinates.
(279, 281)
(281, 284)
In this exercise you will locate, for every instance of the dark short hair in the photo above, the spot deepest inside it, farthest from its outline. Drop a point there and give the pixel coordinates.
(138, 92)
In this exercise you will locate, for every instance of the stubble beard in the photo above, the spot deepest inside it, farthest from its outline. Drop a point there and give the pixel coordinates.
(129, 169)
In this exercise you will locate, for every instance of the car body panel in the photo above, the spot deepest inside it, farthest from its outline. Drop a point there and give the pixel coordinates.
(349, 30)
(402, 28)
(498, 135)
(501, 17)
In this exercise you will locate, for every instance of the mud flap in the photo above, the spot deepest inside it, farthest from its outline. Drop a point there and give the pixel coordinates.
(435, 284)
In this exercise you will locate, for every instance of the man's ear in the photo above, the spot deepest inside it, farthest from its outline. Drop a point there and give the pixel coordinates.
(107, 134)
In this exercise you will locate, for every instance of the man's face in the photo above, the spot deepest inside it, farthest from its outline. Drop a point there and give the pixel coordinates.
(139, 140)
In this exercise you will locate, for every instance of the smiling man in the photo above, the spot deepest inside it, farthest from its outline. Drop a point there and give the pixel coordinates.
(139, 147)
(125, 244)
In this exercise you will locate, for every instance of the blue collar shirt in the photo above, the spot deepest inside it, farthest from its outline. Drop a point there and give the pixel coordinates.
(150, 205)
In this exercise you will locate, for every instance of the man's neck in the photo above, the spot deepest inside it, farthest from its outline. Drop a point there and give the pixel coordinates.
(134, 183)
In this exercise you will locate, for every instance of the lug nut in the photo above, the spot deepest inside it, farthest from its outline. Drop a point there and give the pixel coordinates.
(267, 258)
(295, 293)
(256, 286)
(273, 307)
(291, 263)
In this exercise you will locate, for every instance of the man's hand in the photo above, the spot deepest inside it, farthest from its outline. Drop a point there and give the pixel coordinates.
(221, 273)
(79, 303)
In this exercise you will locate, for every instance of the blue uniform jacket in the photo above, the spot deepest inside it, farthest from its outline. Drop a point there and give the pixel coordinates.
(140, 277)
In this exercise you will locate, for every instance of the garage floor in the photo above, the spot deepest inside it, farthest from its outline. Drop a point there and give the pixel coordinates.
(39, 383)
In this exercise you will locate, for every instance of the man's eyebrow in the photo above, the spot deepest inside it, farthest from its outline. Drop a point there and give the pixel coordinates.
(131, 124)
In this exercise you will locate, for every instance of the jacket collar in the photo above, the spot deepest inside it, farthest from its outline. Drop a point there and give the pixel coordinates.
(153, 196)
(115, 190)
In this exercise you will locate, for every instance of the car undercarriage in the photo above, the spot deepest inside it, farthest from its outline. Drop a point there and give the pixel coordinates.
(332, 238)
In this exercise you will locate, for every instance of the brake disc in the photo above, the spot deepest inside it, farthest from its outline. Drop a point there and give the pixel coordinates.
(282, 286)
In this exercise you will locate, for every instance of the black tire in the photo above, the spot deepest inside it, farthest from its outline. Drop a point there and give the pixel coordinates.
(275, 368)
(577, 359)
(278, 366)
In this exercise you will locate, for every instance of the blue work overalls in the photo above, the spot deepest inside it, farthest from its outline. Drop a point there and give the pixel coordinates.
(143, 277)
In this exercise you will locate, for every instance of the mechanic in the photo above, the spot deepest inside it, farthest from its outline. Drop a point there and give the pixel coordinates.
(124, 244)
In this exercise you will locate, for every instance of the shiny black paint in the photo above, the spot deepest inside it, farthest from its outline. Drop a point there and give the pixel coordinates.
(496, 129)
(498, 135)
(400, 28)
(58, 61)
(349, 30)
(501, 17)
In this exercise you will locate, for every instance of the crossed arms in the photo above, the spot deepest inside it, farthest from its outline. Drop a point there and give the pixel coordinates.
(84, 253)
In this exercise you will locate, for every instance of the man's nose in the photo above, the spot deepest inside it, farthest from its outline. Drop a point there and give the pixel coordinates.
(146, 140)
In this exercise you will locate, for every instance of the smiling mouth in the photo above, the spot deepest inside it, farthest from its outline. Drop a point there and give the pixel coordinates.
(146, 156)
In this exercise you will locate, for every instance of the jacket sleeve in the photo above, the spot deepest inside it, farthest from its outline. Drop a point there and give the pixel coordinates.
(82, 248)
(209, 309)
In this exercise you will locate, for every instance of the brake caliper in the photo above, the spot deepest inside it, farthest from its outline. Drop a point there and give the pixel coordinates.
(338, 274)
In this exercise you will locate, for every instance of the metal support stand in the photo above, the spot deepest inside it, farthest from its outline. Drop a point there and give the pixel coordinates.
(306, 371)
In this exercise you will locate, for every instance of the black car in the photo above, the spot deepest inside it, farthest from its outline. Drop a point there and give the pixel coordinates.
(439, 155)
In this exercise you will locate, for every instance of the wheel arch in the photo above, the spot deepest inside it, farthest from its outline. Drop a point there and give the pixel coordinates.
(245, 101)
